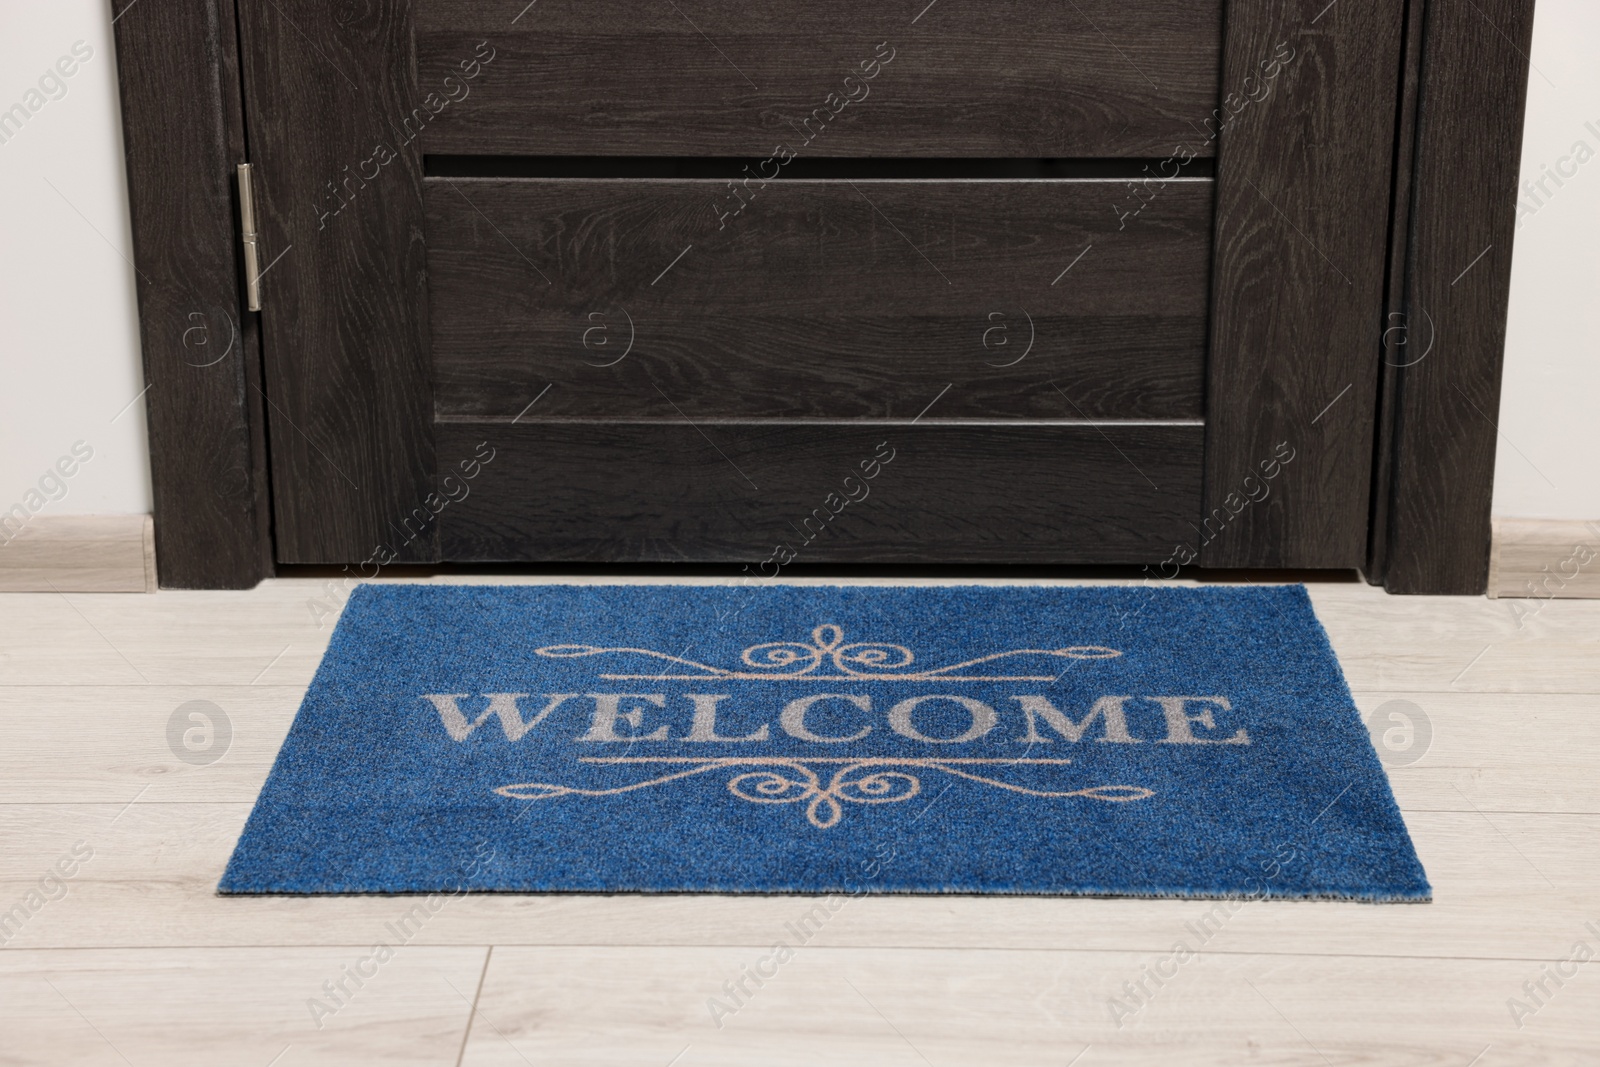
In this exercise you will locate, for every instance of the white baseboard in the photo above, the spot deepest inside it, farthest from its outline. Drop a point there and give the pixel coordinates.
(79, 554)
(1545, 558)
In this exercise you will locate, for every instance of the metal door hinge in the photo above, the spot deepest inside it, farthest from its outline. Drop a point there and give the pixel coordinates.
(247, 235)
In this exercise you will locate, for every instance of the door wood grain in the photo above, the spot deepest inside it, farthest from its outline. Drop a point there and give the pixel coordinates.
(655, 490)
(183, 132)
(728, 78)
(819, 299)
(1303, 197)
(1458, 286)
(345, 286)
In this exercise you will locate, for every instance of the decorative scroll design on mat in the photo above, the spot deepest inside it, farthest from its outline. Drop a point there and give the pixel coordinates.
(786, 780)
(774, 660)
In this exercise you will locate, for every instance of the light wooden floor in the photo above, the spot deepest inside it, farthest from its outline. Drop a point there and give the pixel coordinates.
(139, 962)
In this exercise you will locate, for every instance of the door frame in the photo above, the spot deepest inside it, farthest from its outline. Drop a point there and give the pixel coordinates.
(1423, 468)
(183, 132)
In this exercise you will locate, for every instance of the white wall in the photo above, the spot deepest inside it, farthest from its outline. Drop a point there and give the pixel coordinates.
(69, 354)
(69, 344)
(1548, 459)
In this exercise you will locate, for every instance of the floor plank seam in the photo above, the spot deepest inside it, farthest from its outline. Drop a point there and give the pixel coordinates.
(472, 1009)
(558, 946)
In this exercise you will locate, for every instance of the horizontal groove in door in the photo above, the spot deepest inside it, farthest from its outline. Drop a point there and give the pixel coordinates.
(730, 78)
(608, 299)
(522, 419)
(830, 169)
(626, 493)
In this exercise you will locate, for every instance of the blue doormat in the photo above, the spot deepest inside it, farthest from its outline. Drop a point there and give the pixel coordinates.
(1128, 741)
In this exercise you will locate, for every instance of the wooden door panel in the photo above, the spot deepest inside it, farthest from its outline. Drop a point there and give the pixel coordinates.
(344, 313)
(1303, 205)
(653, 490)
(821, 299)
(1003, 78)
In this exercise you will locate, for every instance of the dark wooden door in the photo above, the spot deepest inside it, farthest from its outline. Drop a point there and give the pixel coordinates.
(1097, 281)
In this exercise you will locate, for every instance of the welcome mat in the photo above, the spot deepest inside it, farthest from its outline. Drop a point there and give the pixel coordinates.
(1130, 741)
